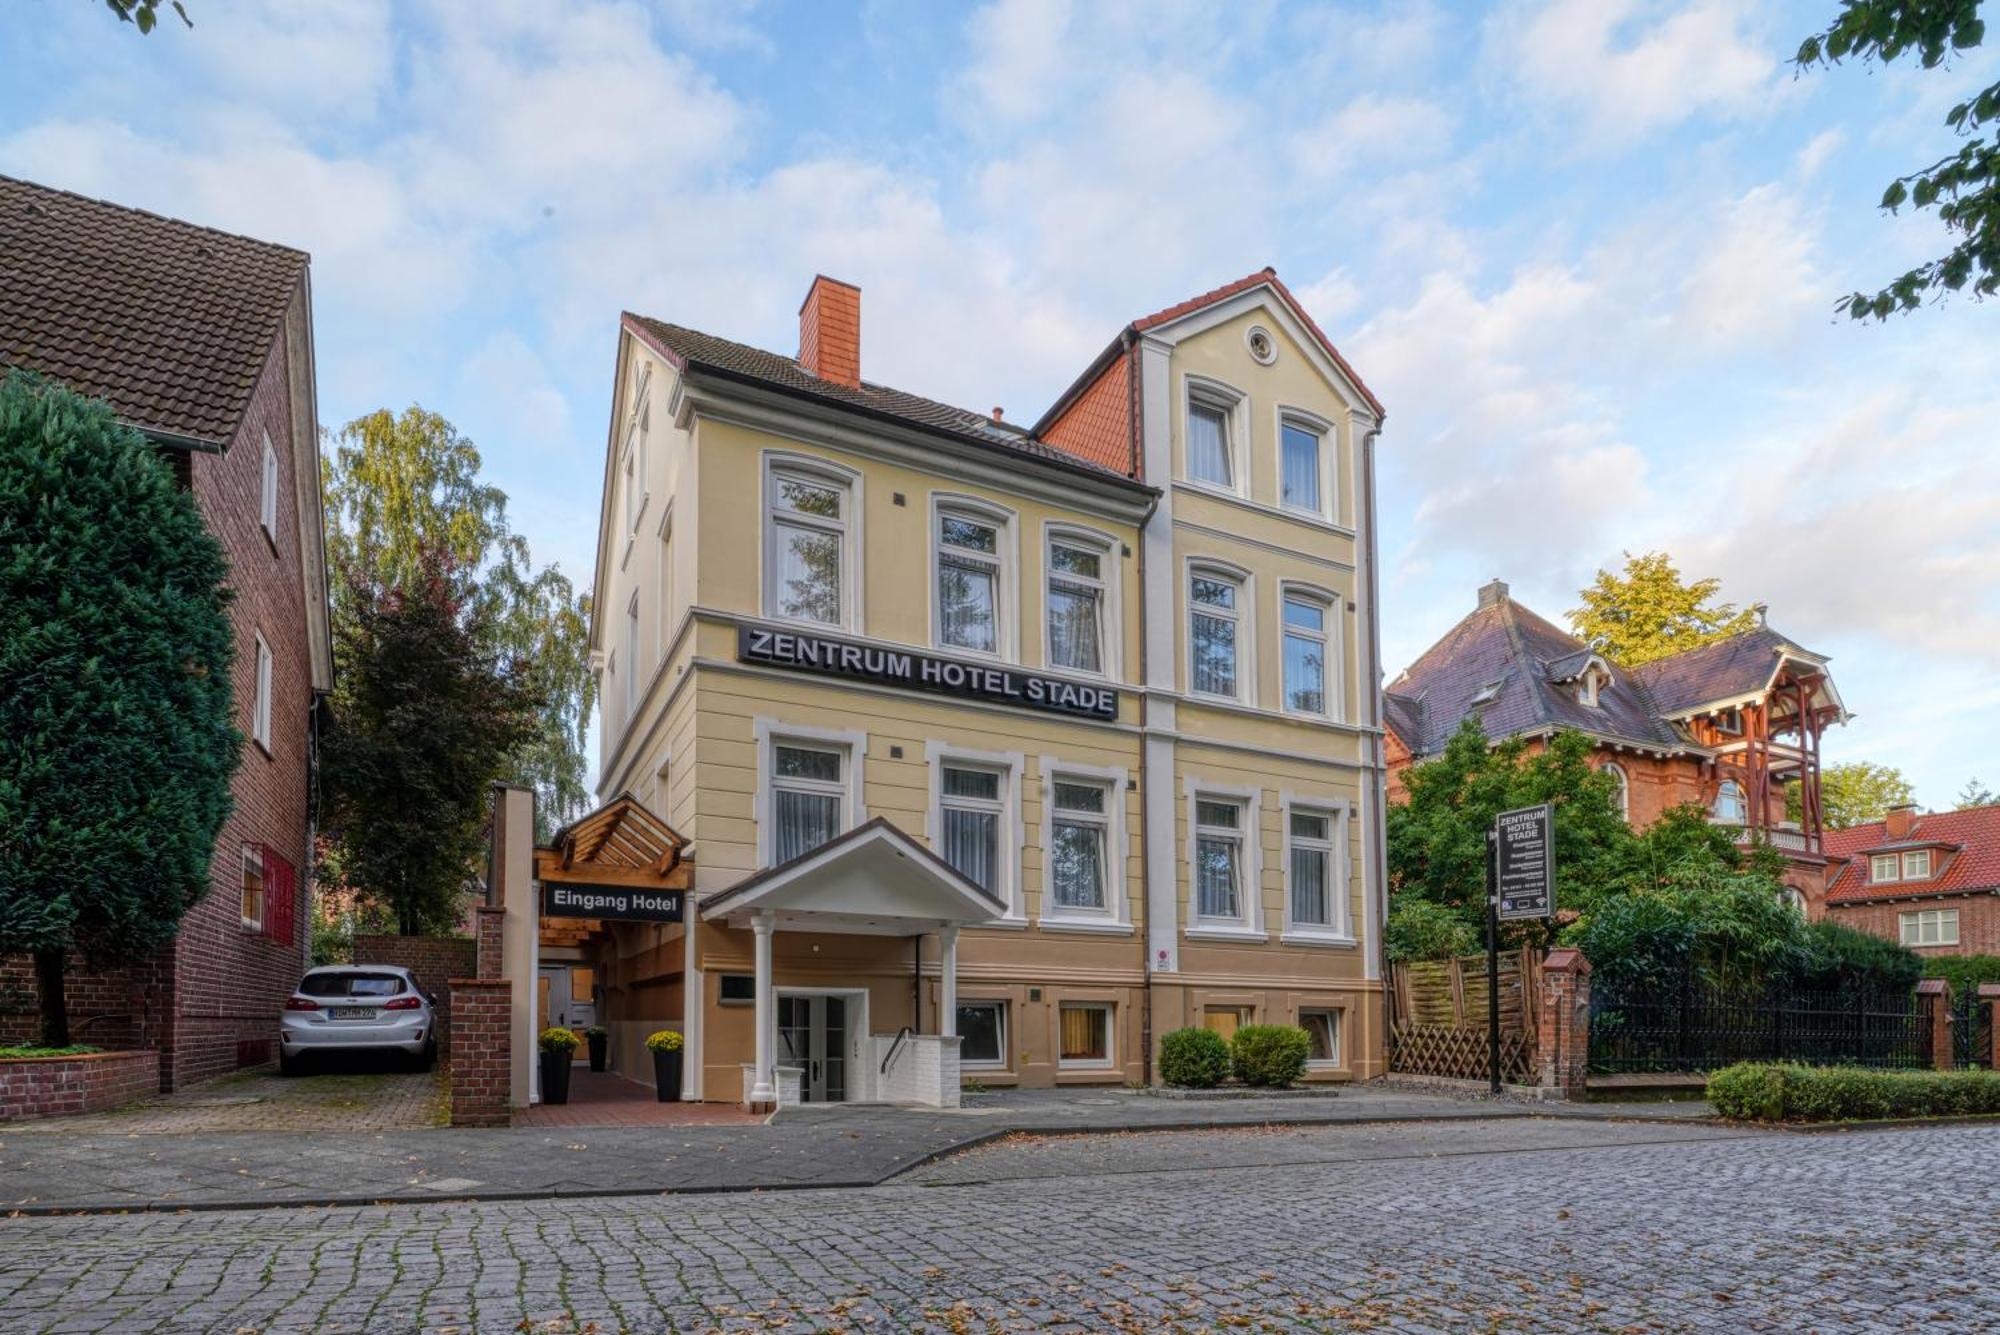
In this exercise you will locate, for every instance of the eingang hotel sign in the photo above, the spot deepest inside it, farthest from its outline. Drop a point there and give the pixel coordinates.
(830, 656)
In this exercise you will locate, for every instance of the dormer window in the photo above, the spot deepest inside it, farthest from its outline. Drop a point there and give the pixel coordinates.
(1590, 685)
(1486, 694)
(1729, 721)
(1912, 865)
(1917, 865)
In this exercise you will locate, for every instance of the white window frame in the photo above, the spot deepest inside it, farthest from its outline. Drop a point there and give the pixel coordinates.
(1110, 609)
(632, 658)
(772, 733)
(267, 506)
(1875, 864)
(260, 702)
(1246, 626)
(1910, 927)
(1742, 804)
(1110, 1059)
(1337, 812)
(1734, 714)
(1232, 403)
(1327, 507)
(664, 575)
(254, 853)
(1339, 1058)
(638, 426)
(1617, 771)
(1006, 581)
(1917, 858)
(1000, 1007)
(1008, 764)
(848, 529)
(1116, 915)
(1333, 683)
(1249, 925)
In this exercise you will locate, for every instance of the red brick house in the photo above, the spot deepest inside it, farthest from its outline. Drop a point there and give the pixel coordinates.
(1730, 725)
(203, 341)
(1930, 881)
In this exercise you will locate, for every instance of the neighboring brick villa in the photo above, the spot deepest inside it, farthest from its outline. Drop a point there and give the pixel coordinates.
(1928, 880)
(1718, 725)
(203, 341)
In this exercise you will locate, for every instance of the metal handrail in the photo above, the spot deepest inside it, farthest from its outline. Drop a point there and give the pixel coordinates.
(896, 1047)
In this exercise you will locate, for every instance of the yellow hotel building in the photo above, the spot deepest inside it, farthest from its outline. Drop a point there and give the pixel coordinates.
(995, 753)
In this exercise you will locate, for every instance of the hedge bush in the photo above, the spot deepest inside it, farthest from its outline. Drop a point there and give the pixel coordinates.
(1270, 1056)
(1964, 972)
(1194, 1058)
(1782, 1092)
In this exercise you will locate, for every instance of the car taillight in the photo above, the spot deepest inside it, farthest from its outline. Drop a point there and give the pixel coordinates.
(402, 1004)
(301, 1004)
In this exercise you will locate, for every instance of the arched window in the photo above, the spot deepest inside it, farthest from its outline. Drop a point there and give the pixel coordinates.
(1624, 794)
(1730, 807)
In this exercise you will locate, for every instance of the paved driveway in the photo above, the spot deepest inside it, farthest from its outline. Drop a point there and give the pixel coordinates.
(352, 1099)
(1638, 1227)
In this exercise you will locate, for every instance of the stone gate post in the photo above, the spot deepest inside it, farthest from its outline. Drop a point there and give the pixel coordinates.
(1563, 1031)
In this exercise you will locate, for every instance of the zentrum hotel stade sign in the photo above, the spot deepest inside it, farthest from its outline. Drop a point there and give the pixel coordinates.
(923, 672)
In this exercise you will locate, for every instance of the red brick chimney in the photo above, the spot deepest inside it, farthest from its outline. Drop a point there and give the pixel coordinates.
(1898, 822)
(830, 331)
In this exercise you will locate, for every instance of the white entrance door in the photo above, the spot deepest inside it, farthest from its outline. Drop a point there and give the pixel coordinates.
(813, 1035)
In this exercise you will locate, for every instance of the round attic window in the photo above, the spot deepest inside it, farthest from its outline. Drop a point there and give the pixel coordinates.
(1262, 346)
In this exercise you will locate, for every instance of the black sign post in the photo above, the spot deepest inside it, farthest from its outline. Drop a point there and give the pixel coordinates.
(1520, 883)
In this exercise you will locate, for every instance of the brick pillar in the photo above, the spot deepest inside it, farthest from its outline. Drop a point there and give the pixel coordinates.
(481, 1055)
(1990, 994)
(488, 962)
(1563, 1033)
(1939, 992)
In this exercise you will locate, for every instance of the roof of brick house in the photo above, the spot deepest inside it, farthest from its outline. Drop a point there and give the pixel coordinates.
(1966, 845)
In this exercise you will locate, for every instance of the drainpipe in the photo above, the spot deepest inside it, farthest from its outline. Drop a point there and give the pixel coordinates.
(1145, 719)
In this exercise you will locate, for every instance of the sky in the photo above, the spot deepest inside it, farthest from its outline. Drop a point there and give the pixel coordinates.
(1586, 251)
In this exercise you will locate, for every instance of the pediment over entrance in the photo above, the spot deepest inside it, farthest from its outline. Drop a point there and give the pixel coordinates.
(620, 843)
(873, 880)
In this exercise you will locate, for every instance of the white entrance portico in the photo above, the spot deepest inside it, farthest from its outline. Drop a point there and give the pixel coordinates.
(873, 880)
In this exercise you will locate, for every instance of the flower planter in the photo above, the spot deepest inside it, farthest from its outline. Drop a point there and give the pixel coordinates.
(667, 1075)
(555, 1077)
(598, 1044)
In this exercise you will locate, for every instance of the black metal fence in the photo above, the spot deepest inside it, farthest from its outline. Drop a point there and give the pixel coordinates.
(1971, 1031)
(1697, 1026)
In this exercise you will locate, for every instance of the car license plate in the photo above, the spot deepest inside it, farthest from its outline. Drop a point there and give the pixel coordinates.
(353, 1013)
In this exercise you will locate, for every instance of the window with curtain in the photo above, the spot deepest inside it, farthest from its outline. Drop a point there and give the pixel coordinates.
(1218, 857)
(1086, 1034)
(1079, 831)
(1076, 606)
(808, 523)
(1208, 445)
(808, 799)
(1309, 851)
(1298, 468)
(1215, 609)
(968, 582)
(1305, 654)
(969, 823)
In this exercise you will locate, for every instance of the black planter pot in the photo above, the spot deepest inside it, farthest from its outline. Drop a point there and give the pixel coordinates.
(667, 1075)
(597, 1046)
(555, 1077)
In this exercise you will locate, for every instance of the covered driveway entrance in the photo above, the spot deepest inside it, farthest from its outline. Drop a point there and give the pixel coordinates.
(816, 1044)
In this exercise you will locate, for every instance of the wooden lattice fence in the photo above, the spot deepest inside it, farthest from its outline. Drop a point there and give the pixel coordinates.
(1437, 1016)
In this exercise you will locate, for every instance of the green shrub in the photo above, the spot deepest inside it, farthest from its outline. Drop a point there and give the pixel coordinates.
(1422, 929)
(1964, 972)
(1843, 956)
(558, 1040)
(31, 1050)
(1270, 1056)
(1781, 1092)
(1194, 1058)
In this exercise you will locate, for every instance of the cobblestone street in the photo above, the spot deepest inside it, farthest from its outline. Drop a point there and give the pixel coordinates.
(1503, 1226)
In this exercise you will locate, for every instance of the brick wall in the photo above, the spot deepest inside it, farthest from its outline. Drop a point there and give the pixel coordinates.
(481, 1069)
(435, 960)
(1563, 1029)
(1978, 921)
(65, 1086)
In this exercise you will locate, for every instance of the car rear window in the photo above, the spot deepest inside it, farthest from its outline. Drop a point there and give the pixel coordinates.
(351, 985)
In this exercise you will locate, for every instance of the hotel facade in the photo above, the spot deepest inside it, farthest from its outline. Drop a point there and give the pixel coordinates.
(980, 752)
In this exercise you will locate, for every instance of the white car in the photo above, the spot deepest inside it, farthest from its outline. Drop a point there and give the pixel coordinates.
(358, 1008)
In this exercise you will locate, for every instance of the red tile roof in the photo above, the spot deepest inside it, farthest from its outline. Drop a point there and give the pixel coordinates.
(1973, 865)
(169, 322)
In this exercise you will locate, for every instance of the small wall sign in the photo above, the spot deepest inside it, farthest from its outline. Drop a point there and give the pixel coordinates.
(612, 903)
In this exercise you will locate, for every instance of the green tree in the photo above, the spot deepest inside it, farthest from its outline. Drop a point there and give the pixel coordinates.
(402, 488)
(1854, 792)
(1650, 612)
(144, 14)
(425, 716)
(1963, 186)
(117, 741)
(1975, 794)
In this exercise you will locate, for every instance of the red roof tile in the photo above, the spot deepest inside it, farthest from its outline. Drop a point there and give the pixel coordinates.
(1973, 865)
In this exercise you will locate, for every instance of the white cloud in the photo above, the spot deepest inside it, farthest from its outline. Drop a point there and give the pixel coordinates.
(1371, 129)
(1623, 71)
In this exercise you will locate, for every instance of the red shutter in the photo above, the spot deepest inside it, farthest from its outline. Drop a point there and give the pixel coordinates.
(281, 896)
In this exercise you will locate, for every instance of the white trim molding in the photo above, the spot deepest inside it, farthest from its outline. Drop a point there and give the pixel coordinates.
(1013, 835)
(769, 732)
(851, 482)
(1006, 560)
(1116, 916)
(1249, 924)
(1326, 506)
(1111, 595)
(1234, 404)
(1339, 889)
(1245, 583)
